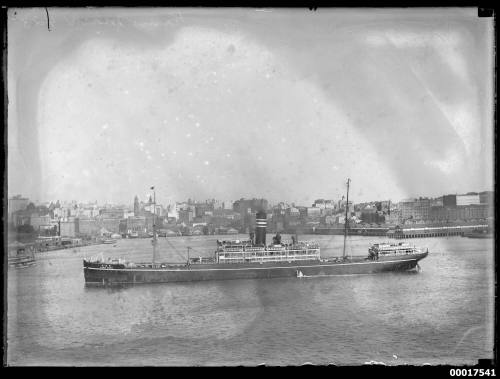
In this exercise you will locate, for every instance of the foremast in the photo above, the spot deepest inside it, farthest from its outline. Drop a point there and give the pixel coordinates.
(154, 241)
(345, 223)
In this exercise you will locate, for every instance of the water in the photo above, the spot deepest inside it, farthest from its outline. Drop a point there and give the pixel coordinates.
(444, 314)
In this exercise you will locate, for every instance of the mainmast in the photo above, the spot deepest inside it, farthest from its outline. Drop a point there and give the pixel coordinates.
(346, 210)
(154, 241)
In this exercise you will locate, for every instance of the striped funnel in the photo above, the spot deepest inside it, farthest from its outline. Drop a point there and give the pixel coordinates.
(260, 228)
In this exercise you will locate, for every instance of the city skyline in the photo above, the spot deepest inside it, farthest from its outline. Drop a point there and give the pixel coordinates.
(237, 103)
(145, 200)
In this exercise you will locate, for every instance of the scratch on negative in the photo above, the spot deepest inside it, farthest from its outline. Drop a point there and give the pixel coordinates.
(48, 19)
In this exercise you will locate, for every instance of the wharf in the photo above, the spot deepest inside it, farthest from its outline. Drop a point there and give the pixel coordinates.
(436, 231)
(363, 231)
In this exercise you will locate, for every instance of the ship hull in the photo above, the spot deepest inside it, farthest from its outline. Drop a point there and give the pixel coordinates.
(108, 276)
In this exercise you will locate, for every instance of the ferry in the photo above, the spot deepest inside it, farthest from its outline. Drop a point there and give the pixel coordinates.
(20, 255)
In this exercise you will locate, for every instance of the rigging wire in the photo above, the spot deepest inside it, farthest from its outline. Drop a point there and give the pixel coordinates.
(175, 250)
(196, 251)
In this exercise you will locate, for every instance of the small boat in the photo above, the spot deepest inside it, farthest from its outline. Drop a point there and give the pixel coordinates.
(21, 261)
(109, 241)
(21, 257)
(300, 274)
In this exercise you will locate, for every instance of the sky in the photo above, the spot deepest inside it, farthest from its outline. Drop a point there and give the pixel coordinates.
(230, 103)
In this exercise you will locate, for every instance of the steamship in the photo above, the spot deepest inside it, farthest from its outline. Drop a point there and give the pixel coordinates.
(254, 259)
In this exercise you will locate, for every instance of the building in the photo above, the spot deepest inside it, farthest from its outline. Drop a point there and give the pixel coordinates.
(202, 209)
(172, 212)
(462, 213)
(21, 217)
(129, 214)
(88, 212)
(416, 209)
(437, 202)
(313, 212)
(110, 224)
(324, 204)
(62, 212)
(486, 197)
(17, 203)
(254, 205)
(68, 228)
(87, 227)
(40, 222)
(136, 224)
(186, 216)
(393, 218)
(450, 201)
(112, 213)
(468, 199)
(137, 208)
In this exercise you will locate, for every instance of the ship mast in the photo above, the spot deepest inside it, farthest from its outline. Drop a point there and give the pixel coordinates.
(154, 241)
(346, 210)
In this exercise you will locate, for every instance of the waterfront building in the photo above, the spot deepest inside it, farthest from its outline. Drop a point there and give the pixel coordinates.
(417, 209)
(437, 202)
(330, 220)
(393, 218)
(468, 199)
(136, 224)
(68, 228)
(486, 197)
(110, 224)
(450, 201)
(461, 213)
(87, 226)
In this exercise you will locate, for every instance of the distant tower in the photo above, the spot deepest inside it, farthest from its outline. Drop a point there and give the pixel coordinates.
(136, 206)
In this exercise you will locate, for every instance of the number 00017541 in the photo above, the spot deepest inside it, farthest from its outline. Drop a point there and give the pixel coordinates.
(472, 372)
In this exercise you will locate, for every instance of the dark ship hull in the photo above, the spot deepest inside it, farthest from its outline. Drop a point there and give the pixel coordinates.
(101, 274)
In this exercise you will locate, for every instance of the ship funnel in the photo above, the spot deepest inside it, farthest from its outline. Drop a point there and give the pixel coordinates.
(260, 228)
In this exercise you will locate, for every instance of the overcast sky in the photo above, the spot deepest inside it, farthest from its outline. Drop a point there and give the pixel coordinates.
(230, 103)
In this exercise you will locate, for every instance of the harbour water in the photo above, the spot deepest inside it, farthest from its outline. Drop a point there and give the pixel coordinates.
(443, 314)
